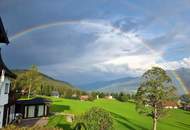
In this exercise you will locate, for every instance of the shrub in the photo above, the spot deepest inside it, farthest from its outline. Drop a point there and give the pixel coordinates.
(95, 119)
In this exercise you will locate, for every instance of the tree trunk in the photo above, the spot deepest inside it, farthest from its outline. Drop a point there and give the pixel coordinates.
(155, 118)
(154, 124)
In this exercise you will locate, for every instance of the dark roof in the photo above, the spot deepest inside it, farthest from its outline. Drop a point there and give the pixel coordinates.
(8, 73)
(34, 101)
(3, 35)
(4, 40)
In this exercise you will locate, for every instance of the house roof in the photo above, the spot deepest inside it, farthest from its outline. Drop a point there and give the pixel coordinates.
(4, 40)
(38, 100)
(3, 35)
(169, 103)
(8, 73)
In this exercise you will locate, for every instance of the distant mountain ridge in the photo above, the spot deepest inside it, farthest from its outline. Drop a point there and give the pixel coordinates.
(131, 84)
(97, 85)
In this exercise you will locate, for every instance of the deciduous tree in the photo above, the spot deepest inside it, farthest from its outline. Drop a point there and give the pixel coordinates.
(155, 88)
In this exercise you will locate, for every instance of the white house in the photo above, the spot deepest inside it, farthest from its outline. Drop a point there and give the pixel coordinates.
(109, 97)
(7, 102)
(55, 94)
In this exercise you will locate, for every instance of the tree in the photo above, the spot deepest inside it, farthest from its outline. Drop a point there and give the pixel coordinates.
(95, 119)
(93, 96)
(123, 97)
(29, 81)
(102, 95)
(185, 100)
(155, 88)
(33, 80)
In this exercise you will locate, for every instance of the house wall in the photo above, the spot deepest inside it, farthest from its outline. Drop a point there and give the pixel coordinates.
(4, 97)
(4, 86)
(1, 116)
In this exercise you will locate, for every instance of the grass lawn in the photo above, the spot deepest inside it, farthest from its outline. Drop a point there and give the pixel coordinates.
(124, 114)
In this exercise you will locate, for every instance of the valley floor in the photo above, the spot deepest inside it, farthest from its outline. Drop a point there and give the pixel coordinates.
(124, 114)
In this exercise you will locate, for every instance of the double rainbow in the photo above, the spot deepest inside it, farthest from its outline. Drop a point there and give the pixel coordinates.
(50, 25)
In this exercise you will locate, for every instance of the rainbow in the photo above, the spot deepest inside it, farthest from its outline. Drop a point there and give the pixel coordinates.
(50, 25)
(40, 27)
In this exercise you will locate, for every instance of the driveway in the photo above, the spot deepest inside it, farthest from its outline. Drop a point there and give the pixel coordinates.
(34, 122)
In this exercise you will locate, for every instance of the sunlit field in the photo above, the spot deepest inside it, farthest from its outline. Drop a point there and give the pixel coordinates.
(124, 114)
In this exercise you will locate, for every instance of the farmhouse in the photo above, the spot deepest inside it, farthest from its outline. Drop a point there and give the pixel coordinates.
(7, 98)
(37, 107)
(170, 105)
(84, 97)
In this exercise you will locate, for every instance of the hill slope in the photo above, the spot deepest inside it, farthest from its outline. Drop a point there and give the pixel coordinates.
(128, 84)
(49, 80)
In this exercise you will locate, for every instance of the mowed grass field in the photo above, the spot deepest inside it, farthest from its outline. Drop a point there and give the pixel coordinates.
(124, 115)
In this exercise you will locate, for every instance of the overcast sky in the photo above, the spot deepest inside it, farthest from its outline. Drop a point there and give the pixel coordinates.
(82, 41)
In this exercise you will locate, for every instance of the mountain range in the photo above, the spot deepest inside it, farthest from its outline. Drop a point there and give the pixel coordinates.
(131, 84)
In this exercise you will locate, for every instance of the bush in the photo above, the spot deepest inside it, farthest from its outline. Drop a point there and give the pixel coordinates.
(95, 119)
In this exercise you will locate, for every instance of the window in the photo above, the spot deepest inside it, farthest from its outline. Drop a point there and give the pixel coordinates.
(31, 111)
(40, 110)
(25, 112)
(6, 88)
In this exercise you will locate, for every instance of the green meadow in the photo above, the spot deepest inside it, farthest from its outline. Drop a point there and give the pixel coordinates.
(124, 115)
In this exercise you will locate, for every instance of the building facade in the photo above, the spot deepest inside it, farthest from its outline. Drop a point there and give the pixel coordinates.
(33, 108)
(7, 100)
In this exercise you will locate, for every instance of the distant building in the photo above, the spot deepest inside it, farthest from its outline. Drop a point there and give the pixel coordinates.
(84, 97)
(170, 104)
(97, 96)
(74, 96)
(37, 107)
(55, 94)
(186, 107)
(109, 97)
(7, 98)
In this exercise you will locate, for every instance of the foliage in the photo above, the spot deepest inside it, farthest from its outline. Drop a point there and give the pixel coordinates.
(96, 119)
(185, 99)
(123, 97)
(156, 87)
(93, 96)
(40, 84)
(102, 95)
(28, 82)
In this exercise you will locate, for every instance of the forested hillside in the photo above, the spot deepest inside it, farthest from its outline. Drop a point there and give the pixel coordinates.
(37, 83)
(47, 79)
